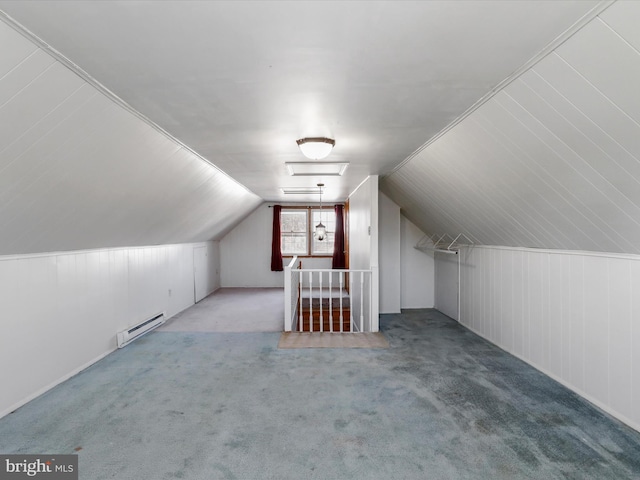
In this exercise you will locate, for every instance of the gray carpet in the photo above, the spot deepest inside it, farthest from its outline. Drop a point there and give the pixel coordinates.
(233, 310)
(440, 403)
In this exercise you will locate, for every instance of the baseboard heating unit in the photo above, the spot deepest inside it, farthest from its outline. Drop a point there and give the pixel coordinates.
(127, 336)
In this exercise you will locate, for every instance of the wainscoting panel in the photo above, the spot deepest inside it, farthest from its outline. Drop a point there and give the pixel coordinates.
(573, 315)
(61, 311)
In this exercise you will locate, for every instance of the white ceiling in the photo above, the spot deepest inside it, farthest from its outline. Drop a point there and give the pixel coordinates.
(78, 171)
(552, 160)
(238, 82)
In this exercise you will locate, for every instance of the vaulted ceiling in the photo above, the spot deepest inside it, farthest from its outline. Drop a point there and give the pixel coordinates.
(131, 123)
(552, 160)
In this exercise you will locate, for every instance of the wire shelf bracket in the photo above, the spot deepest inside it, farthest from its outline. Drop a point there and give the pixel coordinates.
(444, 243)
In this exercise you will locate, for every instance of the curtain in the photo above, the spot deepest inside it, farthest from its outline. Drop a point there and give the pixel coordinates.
(276, 247)
(338, 242)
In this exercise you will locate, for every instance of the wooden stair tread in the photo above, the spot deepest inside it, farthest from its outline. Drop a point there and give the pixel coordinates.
(326, 320)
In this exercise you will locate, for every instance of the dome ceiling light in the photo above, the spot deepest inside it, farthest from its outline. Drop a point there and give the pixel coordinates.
(316, 148)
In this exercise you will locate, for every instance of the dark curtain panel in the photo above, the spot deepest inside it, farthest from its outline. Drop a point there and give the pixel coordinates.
(338, 243)
(276, 248)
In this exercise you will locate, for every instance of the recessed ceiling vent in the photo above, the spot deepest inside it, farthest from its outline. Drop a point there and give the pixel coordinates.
(321, 169)
(300, 190)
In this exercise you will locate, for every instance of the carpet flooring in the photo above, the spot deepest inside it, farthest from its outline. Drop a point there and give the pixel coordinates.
(439, 403)
(233, 310)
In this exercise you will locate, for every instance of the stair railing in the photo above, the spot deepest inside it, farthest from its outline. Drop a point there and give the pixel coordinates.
(291, 293)
(340, 300)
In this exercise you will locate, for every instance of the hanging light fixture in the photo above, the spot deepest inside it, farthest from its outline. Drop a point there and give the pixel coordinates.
(316, 148)
(321, 231)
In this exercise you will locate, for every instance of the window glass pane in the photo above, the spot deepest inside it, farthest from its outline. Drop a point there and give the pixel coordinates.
(324, 247)
(294, 228)
(293, 232)
(294, 244)
(293, 221)
(328, 219)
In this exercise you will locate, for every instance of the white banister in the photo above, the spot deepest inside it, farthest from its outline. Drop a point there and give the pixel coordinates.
(362, 301)
(341, 289)
(321, 317)
(290, 304)
(310, 301)
(356, 308)
(351, 303)
(374, 306)
(300, 289)
(330, 303)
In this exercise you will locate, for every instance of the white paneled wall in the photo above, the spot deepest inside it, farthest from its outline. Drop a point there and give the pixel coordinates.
(573, 315)
(363, 235)
(417, 269)
(552, 160)
(245, 253)
(363, 225)
(389, 253)
(446, 283)
(61, 311)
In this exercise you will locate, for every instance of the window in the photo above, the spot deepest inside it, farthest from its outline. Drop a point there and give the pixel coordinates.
(328, 219)
(296, 231)
(294, 227)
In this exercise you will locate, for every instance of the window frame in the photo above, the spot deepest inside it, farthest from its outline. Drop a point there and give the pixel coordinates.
(309, 232)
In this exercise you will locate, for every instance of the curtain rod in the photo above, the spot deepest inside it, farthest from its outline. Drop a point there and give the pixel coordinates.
(305, 206)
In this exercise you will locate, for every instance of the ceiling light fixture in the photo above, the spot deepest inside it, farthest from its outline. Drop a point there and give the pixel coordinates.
(321, 230)
(316, 148)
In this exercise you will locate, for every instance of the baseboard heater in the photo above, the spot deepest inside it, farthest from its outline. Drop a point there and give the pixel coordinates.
(127, 336)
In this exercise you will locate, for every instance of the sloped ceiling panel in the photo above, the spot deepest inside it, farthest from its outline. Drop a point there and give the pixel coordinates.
(240, 81)
(551, 161)
(78, 171)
